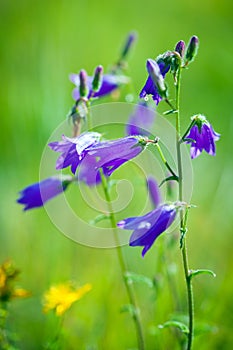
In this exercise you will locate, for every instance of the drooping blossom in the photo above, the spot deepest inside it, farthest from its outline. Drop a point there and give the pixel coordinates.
(202, 137)
(150, 87)
(37, 194)
(148, 227)
(107, 156)
(141, 121)
(61, 297)
(73, 150)
(154, 191)
(110, 82)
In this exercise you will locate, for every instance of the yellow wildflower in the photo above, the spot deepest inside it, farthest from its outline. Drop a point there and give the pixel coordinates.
(62, 296)
(2, 278)
(20, 293)
(8, 275)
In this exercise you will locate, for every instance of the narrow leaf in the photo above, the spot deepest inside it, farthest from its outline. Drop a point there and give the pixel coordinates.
(193, 273)
(170, 178)
(171, 111)
(132, 277)
(180, 325)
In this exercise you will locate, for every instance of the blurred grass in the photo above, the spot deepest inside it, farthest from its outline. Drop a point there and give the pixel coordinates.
(41, 43)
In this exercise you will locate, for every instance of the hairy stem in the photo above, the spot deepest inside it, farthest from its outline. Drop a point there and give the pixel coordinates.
(128, 285)
(182, 223)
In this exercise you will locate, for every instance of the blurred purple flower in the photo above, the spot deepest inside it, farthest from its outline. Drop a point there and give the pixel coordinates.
(73, 150)
(202, 137)
(110, 82)
(141, 121)
(108, 156)
(154, 191)
(148, 227)
(37, 194)
(150, 88)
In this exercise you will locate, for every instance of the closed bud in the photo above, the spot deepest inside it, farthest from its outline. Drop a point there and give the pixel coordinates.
(83, 88)
(97, 80)
(180, 48)
(155, 74)
(192, 49)
(128, 44)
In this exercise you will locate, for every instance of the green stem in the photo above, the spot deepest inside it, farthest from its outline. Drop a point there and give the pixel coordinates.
(164, 160)
(4, 343)
(182, 223)
(128, 285)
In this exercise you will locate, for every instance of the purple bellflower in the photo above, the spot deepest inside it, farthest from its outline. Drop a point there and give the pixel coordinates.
(150, 88)
(37, 194)
(73, 150)
(154, 191)
(109, 83)
(141, 121)
(108, 156)
(148, 227)
(201, 137)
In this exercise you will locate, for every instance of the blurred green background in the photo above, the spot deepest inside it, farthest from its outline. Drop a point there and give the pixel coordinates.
(41, 43)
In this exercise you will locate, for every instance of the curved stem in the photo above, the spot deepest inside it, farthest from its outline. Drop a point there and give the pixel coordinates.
(183, 222)
(128, 285)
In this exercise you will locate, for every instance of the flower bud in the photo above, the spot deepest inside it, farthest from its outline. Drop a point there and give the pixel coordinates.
(155, 74)
(97, 80)
(192, 49)
(180, 48)
(128, 44)
(83, 88)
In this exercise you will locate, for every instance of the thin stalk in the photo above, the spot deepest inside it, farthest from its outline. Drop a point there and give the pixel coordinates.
(164, 160)
(128, 285)
(182, 223)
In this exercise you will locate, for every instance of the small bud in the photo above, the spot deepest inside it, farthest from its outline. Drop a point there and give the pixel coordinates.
(180, 48)
(155, 74)
(192, 49)
(97, 80)
(128, 44)
(83, 88)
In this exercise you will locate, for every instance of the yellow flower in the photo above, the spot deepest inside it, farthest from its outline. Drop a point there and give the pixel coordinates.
(62, 296)
(20, 293)
(2, 278)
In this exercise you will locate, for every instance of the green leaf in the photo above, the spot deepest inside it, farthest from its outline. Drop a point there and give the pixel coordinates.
(98, 218)
(132, 277)
(171, 111)
(180, 325)
(193, 273)
(170, 178)
(130, 309)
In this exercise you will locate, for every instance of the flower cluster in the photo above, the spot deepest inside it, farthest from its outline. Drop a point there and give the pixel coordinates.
(91, 158)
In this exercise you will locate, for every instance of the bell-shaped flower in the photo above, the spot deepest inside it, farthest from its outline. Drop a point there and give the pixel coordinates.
(150, 87)
(154, 192)
(106, 157)
(141, 120)
(73, 150)
(202, 137)
(109, 83)
(148, 227)
(37, 194)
